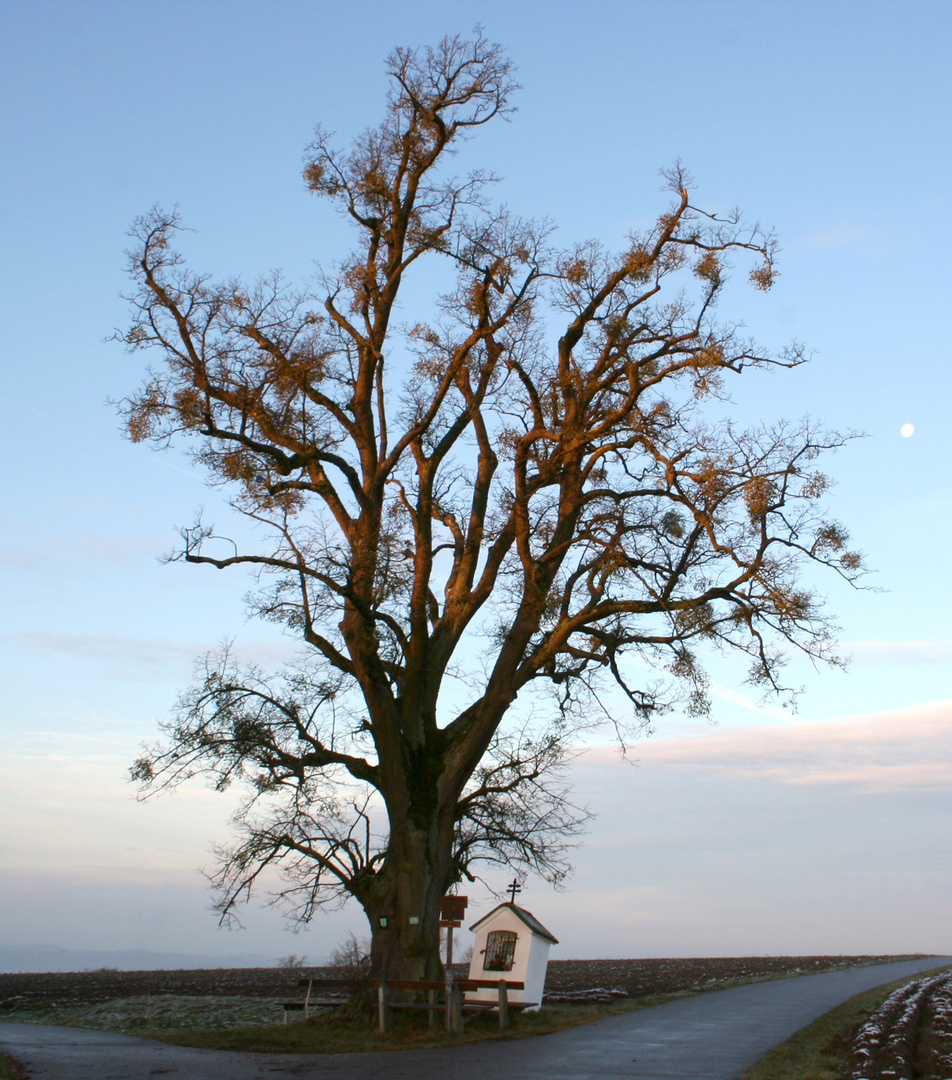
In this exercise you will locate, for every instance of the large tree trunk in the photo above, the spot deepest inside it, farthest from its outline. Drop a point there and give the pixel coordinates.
(403, 906)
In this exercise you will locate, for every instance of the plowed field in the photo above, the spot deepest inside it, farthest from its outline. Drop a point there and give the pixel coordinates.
(21, 993)
(909, 1037)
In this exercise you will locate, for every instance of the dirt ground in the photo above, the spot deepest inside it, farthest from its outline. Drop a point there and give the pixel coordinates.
(566, 980)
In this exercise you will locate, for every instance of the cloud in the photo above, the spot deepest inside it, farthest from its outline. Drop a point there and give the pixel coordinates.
(745, 701)
(123, 656)
(908, 749)
(79, 815)
(903, 652)
(146, 658)
(88, 550)
(838, 236)
(860, 241)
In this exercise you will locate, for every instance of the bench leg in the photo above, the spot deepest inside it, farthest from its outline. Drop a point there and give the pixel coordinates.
(457, 1007)
(383, 1007)
(454, 1007)
(503, 1004)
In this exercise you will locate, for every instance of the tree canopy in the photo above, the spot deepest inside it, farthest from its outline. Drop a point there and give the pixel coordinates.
(519, 493)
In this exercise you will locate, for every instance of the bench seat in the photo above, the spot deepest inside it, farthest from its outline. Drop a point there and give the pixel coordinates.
(325, 1000)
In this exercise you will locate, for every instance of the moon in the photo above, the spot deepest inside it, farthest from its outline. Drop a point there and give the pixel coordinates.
(906, 430)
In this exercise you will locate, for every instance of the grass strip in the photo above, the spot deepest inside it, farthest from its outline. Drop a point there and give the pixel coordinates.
(335, 1033)
(820, 1050)
(11, 1069)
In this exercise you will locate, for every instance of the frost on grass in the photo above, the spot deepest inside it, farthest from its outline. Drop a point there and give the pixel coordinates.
(164, 1012)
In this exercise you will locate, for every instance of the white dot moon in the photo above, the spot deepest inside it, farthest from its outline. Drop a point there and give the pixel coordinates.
(906, 430)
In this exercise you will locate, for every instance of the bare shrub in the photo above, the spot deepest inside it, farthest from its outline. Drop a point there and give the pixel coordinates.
(351, 961)
(292, 962)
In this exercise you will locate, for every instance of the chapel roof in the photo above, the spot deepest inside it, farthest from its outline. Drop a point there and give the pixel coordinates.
(524, 916)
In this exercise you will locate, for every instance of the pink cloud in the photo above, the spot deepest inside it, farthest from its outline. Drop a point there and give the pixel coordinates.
(902, 749)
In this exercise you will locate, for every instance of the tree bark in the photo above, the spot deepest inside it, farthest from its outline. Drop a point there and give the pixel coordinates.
(403, 905)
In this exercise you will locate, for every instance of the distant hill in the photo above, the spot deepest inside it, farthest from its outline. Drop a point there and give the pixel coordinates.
(52, 958)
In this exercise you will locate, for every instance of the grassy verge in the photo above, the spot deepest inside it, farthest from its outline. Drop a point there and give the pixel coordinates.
(335, 1033)
(134, 1015)
(11, 1069)
(820, 1050)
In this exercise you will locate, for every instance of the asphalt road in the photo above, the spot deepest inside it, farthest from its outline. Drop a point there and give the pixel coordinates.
(713, 1036)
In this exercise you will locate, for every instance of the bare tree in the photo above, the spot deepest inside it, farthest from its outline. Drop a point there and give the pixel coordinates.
(517, 499)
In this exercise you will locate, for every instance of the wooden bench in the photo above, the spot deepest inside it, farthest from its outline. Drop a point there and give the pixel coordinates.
(385, 1002)
(502, 1002)
(326, 997)
(452, 1003)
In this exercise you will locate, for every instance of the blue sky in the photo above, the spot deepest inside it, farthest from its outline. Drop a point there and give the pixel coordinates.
(826, 832)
